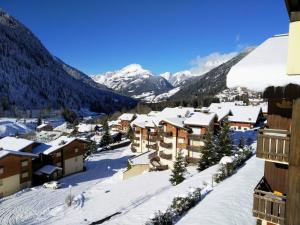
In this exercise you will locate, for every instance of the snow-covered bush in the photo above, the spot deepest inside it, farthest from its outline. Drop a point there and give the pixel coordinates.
(179, 206)
(160, 218)
(227, 169)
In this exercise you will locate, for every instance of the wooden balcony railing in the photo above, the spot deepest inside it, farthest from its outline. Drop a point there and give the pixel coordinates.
(153, 146)
(194, 148)
(167, 134)
(191, 160)
(165, 156)
(196, 137)
(135, 144)
(273, 145)
(267, 205)
(152, 139)
(136, 138)
(165, 145)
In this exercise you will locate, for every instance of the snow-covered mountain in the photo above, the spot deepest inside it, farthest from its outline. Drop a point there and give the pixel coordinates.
(32, 78)
(134, 81)
(177, 79)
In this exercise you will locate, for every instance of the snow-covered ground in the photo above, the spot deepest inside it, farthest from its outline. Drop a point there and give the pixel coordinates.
(38, 205)
(13, 126)
(101, 192)
(230, 202)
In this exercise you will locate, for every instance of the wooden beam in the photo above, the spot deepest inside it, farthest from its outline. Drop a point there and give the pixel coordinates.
(293, 196)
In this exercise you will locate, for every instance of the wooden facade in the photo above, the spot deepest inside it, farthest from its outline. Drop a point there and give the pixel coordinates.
(18, 166)
(279, 145)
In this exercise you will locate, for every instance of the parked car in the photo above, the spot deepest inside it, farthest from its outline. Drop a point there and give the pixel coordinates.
(52, 185)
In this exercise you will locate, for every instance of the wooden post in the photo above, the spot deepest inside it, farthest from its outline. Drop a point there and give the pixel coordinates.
(293, 195)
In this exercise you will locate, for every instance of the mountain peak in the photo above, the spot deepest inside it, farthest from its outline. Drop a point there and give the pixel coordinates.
(134, 70)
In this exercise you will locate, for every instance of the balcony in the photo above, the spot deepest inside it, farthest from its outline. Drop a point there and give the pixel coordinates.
(191, 160)
(135, 144)
(267, 205)
(165, 156)
(194, 148)
(152, 139)
(154, 146)
(165, 145)
(273, 145)
(167, 134)
(136, 138)
(196, 137)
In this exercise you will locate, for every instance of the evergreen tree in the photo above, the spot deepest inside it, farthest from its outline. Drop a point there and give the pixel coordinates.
(208, 157)
(241, 142)
(179, 170)
(106, 138)
(130, 134)
(39, 121)
(224, 142)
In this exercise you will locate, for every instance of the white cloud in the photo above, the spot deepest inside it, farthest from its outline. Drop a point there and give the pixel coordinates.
(201, 65)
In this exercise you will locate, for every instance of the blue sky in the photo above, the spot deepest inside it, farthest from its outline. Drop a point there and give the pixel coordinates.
(162, 35)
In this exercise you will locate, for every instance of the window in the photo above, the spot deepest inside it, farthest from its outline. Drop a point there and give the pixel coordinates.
(1, 170)
(76, 150)
(25, 174)
(196, 130)
(239, 127)
(1, 182)
(24, 163)
(58, 164)
(181, 140)
(58, 154)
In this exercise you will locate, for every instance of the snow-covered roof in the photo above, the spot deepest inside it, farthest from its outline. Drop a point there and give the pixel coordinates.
(5, 152)
(225, 160)
(265, 66)
(42, 125)
(245, 114)
(143, 121)
(143, 158)
(48, 148)
(113, 122)
(175, 121)
(48, 169)
(240, 113)
(14, 144)
(64, 128)
(176, 111)
(264, 107)
(126, 116)
(200, 119)
(219, 110)
(83, 127)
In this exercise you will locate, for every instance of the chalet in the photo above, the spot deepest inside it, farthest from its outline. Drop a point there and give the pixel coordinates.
(17, 144)
(15, 171)
(65, 153)
(44, 127)
(114, 125)
(268, 69)
(124, 121)
(241, 117)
